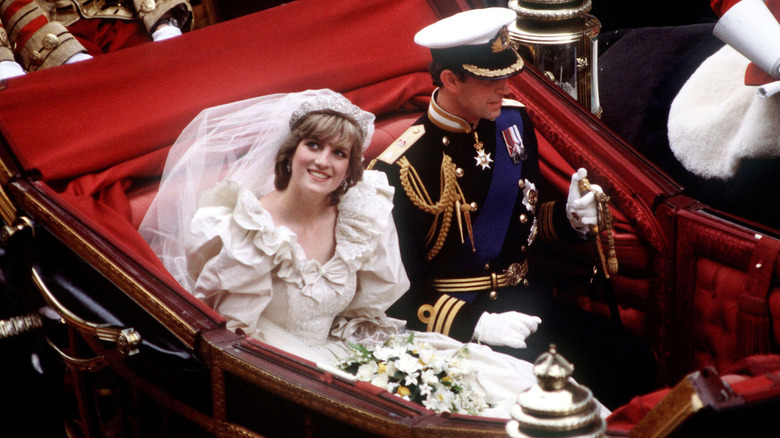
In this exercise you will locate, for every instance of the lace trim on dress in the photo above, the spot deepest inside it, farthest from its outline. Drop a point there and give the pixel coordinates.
(363, 215)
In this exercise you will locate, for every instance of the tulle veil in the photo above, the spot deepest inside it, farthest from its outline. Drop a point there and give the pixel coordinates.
(236, 141)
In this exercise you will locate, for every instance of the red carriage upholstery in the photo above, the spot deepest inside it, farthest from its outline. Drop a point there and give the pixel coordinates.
(731, 295)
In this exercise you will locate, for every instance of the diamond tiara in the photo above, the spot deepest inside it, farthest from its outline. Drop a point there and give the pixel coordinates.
(333, 104)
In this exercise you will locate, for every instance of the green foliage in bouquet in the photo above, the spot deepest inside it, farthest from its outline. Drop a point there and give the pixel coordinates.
(417, 372)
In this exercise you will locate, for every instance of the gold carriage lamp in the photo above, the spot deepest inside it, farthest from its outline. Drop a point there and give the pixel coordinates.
(560, 38)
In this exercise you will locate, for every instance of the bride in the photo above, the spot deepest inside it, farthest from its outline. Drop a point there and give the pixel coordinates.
(265, 213)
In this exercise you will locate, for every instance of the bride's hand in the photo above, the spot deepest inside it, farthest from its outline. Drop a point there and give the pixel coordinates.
(508, 329)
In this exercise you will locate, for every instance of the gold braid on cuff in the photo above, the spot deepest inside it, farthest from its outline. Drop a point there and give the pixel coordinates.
(439, 317)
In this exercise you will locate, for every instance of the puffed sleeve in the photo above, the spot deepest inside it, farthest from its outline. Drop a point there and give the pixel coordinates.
(381, 279)
(230, 274)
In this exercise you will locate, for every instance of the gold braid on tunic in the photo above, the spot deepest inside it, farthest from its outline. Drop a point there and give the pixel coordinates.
(450, 195)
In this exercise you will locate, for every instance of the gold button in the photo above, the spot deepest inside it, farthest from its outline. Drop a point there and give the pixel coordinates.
(36, 58)
(521, 184)
(416, 130)
(523, 248)
(445, 141)
(50, 41)
(473, 206)
(487, 267)
(147, 6)
(493, 295)
(459, 172)
(525, 282)
(533, 196)
(523, 218)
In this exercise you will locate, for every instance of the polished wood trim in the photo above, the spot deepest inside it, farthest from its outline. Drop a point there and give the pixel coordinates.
(358, 404)
(165, 304)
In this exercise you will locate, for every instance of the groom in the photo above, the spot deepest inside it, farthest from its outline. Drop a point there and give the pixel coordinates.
(467, 210)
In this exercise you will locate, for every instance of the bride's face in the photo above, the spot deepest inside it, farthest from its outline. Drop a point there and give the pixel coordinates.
(319, 166)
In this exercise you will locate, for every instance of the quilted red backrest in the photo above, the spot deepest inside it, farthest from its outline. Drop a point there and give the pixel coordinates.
(728, 302)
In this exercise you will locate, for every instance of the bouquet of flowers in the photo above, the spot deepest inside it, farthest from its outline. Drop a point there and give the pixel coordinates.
(419, 373)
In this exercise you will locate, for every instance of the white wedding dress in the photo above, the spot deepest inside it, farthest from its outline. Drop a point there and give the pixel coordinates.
(257, 276)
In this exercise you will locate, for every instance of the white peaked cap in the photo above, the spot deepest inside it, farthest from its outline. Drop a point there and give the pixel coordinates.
(476, 26)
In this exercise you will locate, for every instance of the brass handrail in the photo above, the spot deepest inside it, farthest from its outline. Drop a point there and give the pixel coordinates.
(127, 340)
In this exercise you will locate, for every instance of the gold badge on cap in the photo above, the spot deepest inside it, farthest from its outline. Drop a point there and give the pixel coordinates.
(501, 42)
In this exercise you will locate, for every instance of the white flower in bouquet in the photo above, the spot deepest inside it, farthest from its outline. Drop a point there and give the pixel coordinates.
(428, 377)
(385, 352)
(367, 371)
(380, 380)
(427, 356)
(408, 364)
(418, 372)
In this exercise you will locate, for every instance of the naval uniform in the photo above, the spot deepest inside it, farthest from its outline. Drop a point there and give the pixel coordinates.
(466, 220)
(452, 261)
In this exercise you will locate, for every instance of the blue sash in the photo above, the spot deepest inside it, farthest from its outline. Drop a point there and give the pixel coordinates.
(491, 225)
(493, 221)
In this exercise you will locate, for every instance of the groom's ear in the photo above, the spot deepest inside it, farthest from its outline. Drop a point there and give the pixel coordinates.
(449, 80)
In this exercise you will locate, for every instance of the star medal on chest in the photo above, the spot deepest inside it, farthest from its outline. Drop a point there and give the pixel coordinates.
(483, 159)
(514, 144)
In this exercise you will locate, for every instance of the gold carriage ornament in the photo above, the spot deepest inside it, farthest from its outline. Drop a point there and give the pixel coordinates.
(560, 39)
(556, 406)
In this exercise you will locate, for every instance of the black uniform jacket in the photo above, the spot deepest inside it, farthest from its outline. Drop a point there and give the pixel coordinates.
(435, 242)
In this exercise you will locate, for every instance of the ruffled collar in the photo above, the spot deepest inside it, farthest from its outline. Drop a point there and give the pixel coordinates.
(363, 215)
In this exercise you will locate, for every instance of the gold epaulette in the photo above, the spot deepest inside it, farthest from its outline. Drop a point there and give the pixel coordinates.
(402, 144)
(512, 103)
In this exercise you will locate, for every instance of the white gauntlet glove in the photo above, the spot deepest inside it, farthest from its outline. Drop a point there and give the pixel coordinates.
(78, 57)
(508, 329)
(164, 32)
(582, 210)
(10, 69)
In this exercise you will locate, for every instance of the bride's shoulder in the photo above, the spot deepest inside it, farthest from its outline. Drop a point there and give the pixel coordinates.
(371, 198)
(230, 209)
(365, 212)
(231, 199)
(225, 193)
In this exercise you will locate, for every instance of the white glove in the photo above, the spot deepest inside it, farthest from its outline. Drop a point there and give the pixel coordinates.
(582, 210)
(78, 57)
(10, 69)
(508, 329)
(164, 32)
